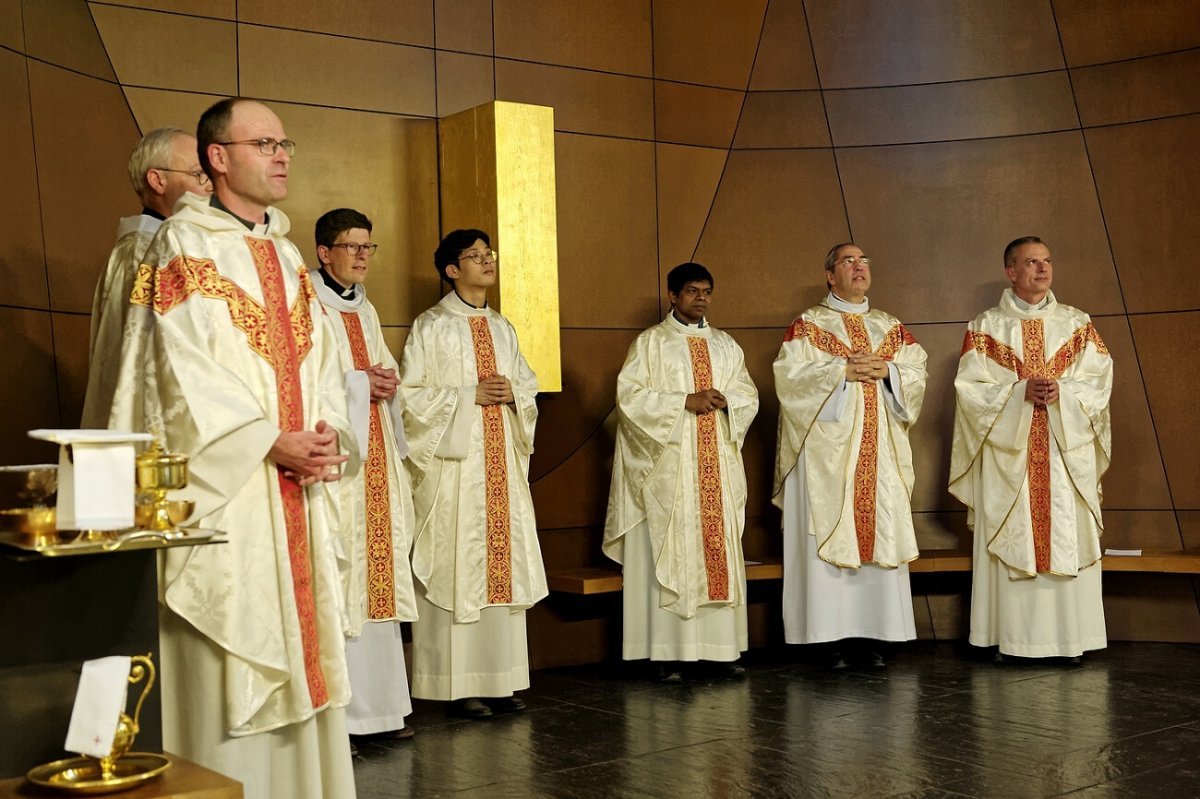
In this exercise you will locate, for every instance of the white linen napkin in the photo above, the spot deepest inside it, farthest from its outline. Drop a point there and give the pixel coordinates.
(99, 702)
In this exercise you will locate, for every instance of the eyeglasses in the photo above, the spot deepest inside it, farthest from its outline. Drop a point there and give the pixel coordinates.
(850, 260)
(491, 257)
(354, 249)
(266, 146)
(199, 175)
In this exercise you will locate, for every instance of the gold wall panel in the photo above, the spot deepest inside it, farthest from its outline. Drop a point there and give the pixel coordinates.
(218, 9)
(464, 25)
(785, 59)
(775, 215)
(83, 181)
(866, 43)
(686, 114)
(942, 111)
(939, 214)
(211, 62)
(27, 385)
(498, 174)
(1148, 176)
(782, 119)
(335, 71)
(1171, 370)
(22, 259)
(613, 36)
(707, 41)
(400, 21)
(1096, 31)
(12, 32)
(463, 81)
(583, 102)
(687, 179)
(394, 337)
(1143, 89)
(606, 242)
(62, 33)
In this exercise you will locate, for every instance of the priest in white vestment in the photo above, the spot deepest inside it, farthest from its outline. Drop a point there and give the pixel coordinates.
(162, 168)
(242, 376)
(376, 505)
(850, 380)
(1032, 438)
(677, 503)
(469, 415)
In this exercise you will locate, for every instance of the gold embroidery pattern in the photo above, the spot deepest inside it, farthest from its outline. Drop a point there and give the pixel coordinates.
(866, 477)
(990, 348)
(495, 464)
(712, 518)
(381, 589)
(280, 342)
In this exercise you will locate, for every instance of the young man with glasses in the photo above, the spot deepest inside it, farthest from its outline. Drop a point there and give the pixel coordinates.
(469, 415)
(242, 376)
(376, 504)
(162, 168)
(850, 380)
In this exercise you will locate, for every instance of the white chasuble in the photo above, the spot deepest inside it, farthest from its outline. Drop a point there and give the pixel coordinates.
(678, 476)
(1030, 476)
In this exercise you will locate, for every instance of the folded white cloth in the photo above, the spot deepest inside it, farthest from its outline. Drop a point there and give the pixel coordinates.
(99, 702)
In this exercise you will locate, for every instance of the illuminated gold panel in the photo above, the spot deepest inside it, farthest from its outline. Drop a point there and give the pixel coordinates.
(497, 174)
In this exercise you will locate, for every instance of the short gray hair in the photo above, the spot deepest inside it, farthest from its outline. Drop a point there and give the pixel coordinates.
(831, 256)
(154, 150)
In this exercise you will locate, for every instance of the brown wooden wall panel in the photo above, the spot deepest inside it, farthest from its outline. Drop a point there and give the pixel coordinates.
(687, 179)
(1148, 176)
(943, 529)
(1171, 370)
(606, 243)
(937, 216)
(785, 59)
(22, 259)
(218, 9)
(1150, 607)
(933, 432)
(613, 36)
(335, 71)
(865, 43)
(1095, 31)
(782, 119)
(62, 33)
(584, 102)
(1139, 529)
(464, 25)
(400, 21)
(707, 41)
(27, 388)
(1189, 525)
(1135, 477)
(575, 492)
(71, 342)
(758, 454)
(12, 32)
(775, 215)
(700, 115)
(938, 112)
(83, 180)
(463, 81)
(394, 337)
(210, 64)
(1143, 89)
(156, 108)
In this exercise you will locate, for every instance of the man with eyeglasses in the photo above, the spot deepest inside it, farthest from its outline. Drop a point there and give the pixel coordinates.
(469, 417)
(1032, 438)
(242, 376)
(850, 380)
(162, 168)
(376, 504)
(677, 504)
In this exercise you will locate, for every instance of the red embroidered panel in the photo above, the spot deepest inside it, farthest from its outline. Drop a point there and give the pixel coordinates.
(708, 459)
(381, 587)
(1033, 351)
(866, 476)
(990, 348)
(495, 464)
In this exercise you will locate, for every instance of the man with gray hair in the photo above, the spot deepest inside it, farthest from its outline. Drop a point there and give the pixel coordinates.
(163, 167)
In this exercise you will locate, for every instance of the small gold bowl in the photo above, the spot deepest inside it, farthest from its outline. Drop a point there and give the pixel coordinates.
(178, 511)
(32, 526)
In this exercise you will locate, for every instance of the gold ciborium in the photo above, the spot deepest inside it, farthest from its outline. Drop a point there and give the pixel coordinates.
(157, 473)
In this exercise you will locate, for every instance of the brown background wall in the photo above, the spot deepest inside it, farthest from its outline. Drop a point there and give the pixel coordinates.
(750, 135)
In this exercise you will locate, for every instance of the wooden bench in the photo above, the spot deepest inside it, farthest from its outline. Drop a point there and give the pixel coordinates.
(607, 580)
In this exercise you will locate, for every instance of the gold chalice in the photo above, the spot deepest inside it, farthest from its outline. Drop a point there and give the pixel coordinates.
(27, 503)
(157, 473)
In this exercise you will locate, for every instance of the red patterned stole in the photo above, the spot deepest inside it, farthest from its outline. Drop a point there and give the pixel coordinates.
(495, 466)
(381, 590)
(282, 353)
(712, 519)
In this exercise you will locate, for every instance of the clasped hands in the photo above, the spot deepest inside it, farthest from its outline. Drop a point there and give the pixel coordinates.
(864, 367)
(384, 382)
(1041, 391)
(705, 401)
(494, 390)
(308, 456)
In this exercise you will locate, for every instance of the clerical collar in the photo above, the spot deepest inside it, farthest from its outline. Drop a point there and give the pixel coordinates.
(220, 206)
(150, 212)
(469, 305)
(334, 286)
(838, 304)
(1025, 306)
(701, 324)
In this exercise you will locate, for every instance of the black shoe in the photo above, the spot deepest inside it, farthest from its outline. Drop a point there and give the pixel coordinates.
(471, 708)
(835, 661)
(1074, 660)
(505, 704)
(671, 674)
(874, 660)
(734, 671)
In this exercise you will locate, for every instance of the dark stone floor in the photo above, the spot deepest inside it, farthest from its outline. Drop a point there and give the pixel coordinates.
(934, 723)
